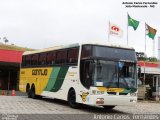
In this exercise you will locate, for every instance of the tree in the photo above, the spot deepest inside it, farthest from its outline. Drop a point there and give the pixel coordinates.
(5, 40)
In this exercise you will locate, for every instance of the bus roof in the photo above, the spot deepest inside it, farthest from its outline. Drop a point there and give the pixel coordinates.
(76, 45)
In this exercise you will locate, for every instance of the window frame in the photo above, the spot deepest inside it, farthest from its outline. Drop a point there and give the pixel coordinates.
(47, 54)
(65, 58)
(53, 53)
(44, 58)
(75, 57)
(34, 62)
(26, 61)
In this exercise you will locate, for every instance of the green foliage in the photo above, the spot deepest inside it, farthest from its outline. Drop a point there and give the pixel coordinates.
(150, 59)
(141, 58)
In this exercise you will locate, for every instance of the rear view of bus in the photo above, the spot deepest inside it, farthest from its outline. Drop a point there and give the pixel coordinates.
(109, 73)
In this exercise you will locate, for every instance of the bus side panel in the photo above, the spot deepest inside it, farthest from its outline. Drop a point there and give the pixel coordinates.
(37, 76)
(22, 82)
(54, 85)
(70, 78)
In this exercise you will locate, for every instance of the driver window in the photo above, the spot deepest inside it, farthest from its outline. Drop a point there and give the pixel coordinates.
(86, 77)
(127, 75)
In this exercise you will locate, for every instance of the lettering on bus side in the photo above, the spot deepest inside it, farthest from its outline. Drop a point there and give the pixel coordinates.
(39, 72)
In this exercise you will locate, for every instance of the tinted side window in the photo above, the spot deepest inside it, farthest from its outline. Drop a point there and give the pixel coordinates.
(61, 57)
(73, 55)
(86, 51)
(27, 60)
(34, 60)
(114, 53)
(23, 61)
(51, 57)
(42, 59)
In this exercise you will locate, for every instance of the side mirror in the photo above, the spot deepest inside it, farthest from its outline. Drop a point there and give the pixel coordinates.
(120, 65)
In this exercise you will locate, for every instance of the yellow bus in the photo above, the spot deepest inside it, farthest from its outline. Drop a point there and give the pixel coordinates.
(91, 74)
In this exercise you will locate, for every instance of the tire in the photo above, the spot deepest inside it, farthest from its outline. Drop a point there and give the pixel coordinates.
(33, 95)
(72, 99)
(38, 97)
(28, 91)
(108, 107)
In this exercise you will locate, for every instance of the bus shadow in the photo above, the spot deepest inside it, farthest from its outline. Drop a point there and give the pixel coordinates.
(84, 108)
(94, 109)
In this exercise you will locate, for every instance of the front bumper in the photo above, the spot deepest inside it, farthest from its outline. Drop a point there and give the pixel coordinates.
(114, 100)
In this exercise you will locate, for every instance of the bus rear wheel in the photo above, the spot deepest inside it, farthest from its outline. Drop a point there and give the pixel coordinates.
(33, 95)
(72, 99)
(108, 107)
(28, 91)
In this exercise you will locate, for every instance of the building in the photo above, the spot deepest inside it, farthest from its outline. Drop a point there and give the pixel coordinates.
(10, 59)
(151, 72)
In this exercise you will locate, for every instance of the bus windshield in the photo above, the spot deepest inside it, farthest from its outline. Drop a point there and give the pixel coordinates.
(103, 66)
(114, 74)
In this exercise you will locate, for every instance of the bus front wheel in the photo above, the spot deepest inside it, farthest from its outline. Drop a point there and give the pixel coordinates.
(72, 99)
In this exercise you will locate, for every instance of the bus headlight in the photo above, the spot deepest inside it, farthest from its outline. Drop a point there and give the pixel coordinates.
(100, 101)
(133, 94)
(96, 92)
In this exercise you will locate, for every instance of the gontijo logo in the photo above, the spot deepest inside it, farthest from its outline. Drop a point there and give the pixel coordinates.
(84, 96)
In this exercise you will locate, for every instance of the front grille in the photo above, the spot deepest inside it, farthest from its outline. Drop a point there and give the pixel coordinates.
(123, 93)
(112, 93)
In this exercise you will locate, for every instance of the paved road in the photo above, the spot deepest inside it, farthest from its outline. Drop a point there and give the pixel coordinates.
(24, 105)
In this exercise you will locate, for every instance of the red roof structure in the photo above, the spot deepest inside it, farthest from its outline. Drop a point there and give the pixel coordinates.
(148, 64)
(150, 67)
(11, 53)
(11, 56)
